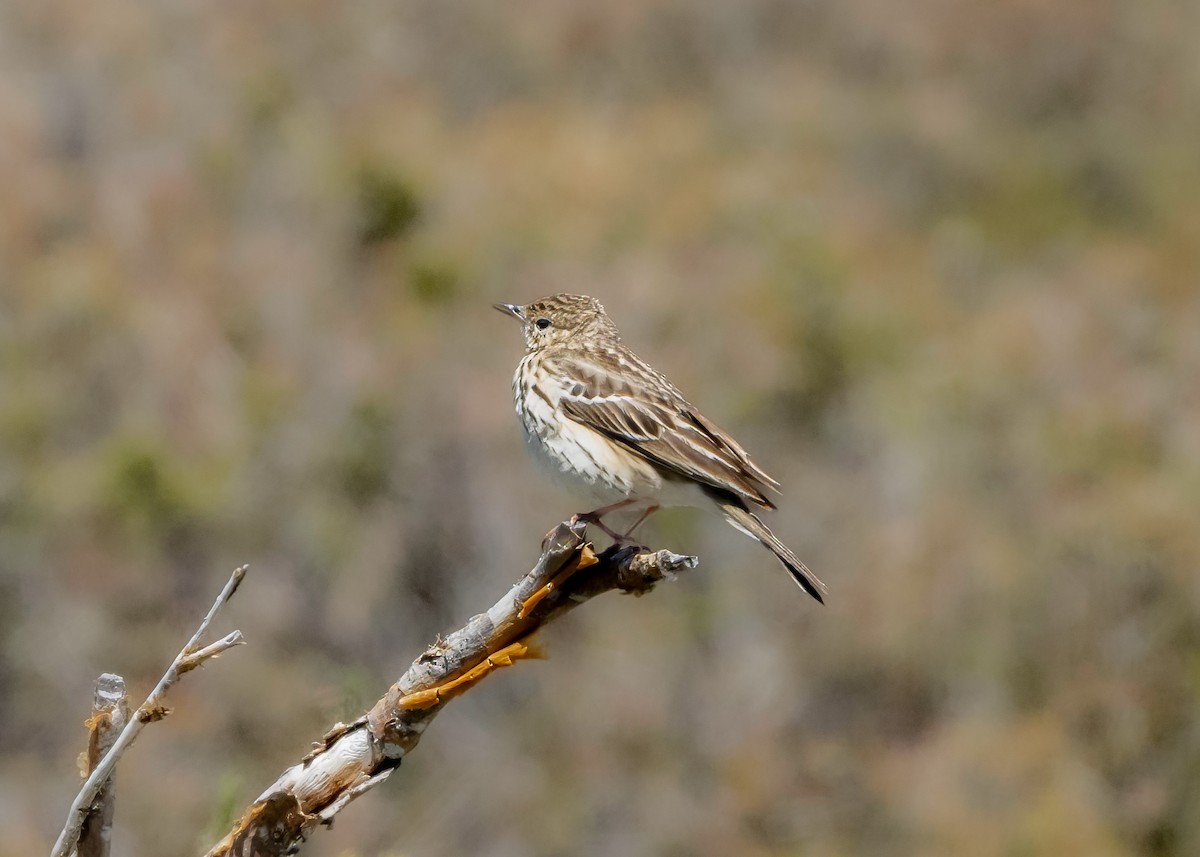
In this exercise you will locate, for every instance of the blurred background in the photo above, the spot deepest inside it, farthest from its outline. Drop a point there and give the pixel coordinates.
(935, 266)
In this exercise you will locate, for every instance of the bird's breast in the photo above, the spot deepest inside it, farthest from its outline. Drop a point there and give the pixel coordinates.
(572, 451)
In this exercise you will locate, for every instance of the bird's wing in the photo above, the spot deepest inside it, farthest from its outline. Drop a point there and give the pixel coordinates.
(643, 411)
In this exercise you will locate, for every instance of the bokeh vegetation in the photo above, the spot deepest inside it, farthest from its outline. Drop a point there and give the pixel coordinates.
(936, 266)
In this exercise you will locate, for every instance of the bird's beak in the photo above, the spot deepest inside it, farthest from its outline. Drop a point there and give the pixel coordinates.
(511, 309)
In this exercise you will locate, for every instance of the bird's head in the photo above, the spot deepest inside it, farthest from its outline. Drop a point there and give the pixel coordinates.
(561, 320)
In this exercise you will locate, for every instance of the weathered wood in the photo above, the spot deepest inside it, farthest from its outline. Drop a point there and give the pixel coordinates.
(353, 758)
(110, 714)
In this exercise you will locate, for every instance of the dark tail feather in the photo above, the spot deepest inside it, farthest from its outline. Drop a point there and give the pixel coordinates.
(749, 523)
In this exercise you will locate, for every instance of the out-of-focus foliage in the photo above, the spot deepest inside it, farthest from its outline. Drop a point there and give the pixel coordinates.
(936, 265)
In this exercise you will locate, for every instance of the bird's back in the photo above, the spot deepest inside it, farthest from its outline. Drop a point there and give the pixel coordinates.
(617, 394)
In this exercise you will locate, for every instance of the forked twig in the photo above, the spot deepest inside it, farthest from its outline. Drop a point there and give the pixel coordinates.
(190, 656)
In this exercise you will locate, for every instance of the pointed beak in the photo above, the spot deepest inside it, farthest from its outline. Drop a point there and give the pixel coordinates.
(510, 309)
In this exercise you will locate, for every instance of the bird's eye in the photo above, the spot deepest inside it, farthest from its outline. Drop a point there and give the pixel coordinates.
(542, 323)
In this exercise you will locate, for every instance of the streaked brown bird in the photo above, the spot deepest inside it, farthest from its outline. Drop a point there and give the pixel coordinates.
(597, 414)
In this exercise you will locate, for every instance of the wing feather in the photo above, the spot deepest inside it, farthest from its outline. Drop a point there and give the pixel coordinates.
(640, 409)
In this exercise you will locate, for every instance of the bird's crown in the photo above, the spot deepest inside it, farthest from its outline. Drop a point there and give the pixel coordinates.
(561, 320)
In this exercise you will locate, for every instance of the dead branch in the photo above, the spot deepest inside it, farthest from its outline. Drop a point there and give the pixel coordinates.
(190, 656)
(351, 759)
(110, 713)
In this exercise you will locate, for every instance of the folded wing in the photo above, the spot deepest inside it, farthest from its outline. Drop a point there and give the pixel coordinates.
(640, 409)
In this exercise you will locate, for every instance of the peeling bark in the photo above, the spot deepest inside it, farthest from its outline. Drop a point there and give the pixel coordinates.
(354, 758)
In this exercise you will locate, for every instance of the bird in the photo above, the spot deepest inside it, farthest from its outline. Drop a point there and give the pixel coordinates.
(597, 415)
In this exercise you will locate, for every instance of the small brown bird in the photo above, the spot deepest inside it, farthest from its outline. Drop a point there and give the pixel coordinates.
(597, 414)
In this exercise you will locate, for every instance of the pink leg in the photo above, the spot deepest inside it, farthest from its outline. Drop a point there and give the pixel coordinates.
(650, 510)
(587, 518)
(594, 517)
(596, 514)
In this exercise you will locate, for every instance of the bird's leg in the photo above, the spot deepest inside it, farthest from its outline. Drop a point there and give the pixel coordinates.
(604, 528)
(618, 538)
(597, 514)
(595, 517)
(650, 510)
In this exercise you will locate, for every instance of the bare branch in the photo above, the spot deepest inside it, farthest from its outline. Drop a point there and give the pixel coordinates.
(110, 713)
(190, 657)
(230, 588)
(212, 650)
(352, 759)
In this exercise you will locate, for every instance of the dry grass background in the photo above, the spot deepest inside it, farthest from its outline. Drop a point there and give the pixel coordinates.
(935, 264)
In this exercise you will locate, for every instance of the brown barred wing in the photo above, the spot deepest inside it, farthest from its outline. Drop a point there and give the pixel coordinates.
(642, 411)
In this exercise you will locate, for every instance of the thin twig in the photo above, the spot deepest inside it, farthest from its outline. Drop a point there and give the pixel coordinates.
(197, 658)
(351, 759)
(189, 657)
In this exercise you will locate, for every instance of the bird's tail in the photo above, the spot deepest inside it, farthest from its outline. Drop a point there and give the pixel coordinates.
(751, 525)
